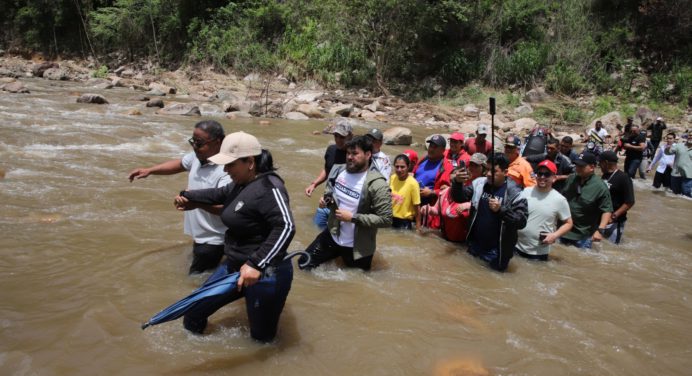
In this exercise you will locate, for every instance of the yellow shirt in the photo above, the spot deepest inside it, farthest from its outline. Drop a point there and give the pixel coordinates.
(521, 171)
(405, 194)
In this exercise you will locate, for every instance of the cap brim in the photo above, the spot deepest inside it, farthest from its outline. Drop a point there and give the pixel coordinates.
(581, 163)
(222, 159)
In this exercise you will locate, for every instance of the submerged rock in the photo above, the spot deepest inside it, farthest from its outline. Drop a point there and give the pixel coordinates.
(156, 102)
(185, 109)
(92, 98)
(397, 136)
(15, 87)
(55, 74)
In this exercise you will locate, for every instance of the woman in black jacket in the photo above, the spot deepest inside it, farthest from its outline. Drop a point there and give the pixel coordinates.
(260, 228)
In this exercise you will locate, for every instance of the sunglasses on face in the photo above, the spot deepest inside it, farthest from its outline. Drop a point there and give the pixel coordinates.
(544, 174)
(198, 144)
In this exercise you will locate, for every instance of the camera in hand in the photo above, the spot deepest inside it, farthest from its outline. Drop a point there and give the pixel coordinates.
(328, 200)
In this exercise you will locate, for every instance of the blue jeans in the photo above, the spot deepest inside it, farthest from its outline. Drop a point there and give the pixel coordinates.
(614, 232)
(264, 302)
(687, 187)
(491, 256)
(583, 243)
(320, 218)
(676, 184)
(631, 167)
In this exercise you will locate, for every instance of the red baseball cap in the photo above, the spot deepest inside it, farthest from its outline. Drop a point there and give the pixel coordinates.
(456, 136)
(549, 165)
(412, 156)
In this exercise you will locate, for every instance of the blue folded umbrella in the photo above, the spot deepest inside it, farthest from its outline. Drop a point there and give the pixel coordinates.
(221, 282)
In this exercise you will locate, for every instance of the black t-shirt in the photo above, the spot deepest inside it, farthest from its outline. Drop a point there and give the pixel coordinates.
(333, 156)
(656, 131)
(636, 140)
(621, 190)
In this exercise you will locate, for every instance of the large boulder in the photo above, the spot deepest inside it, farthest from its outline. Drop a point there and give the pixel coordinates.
(4, 72)
(397, 136)
(212, 110)
(156, 93)
(523, 126)
(341, 110)
(296, 116)
(311, 110)
(15, 87)
(39, 69)
(537, 95)
(524, 109)
(609, 120)
(55, 74)
(644, 116)
(470, 110)
(162, 88)
(225, 95)
(308, 96)
(92, 98)
(185, 109)
(236, 104)
(372, 107)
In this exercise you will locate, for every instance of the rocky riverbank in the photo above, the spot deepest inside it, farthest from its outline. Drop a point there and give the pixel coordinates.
(204, 92)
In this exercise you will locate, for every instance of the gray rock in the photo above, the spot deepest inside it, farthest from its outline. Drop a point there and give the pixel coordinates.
(470, 110)
(238, 114)
(252, 77)
(372, 107)
(156, 93)
(535, 95)
(39, 69)
(4, 72)
(308, 96)
(140, 98)
(126, 73)
(341, 110)
(162, 88)
(397, 136)
(311, 110)
(644, 116)
(156, 102)
(524, 109)
(609, 120)
(225, 95)
(15, 87)
(186, 109)
(92, 98)
(55, 74)
(296, 116)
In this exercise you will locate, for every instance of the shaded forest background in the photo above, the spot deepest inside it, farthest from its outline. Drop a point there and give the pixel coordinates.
(404, 47)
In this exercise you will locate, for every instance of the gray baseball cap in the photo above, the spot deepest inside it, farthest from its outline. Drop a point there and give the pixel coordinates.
(343, 127)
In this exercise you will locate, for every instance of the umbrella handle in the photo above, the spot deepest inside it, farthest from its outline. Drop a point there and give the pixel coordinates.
(299, 253)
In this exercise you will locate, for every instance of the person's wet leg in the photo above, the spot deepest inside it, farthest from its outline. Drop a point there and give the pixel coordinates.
(321, 250)
(205, 257)
(265, 301)
(195, 319)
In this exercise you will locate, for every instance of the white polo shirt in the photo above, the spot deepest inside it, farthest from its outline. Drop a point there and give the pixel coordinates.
(204, 227)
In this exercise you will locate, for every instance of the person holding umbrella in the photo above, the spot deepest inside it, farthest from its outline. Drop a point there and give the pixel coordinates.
(260, 228)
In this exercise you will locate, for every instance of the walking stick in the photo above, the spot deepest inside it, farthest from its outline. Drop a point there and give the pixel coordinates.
(492, 140)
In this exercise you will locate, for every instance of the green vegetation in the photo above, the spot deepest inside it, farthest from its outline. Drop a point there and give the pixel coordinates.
(409, 47)
(102, 72)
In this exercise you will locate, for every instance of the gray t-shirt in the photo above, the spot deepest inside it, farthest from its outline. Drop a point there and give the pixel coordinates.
(382, 164)
(204, 227)
(544, 211)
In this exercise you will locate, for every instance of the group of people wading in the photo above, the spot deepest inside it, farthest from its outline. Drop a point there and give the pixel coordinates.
(498, 204)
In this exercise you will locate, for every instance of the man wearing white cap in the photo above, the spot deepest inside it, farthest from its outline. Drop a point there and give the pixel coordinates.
(479, 144)
(656, 128)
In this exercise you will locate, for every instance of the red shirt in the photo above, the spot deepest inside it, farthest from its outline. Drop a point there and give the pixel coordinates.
(472, 146)
(462, 156)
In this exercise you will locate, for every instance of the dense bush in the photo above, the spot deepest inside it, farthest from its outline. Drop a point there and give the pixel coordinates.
(570, 45)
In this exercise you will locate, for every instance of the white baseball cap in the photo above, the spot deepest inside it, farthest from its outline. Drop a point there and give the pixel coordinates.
(235, 146)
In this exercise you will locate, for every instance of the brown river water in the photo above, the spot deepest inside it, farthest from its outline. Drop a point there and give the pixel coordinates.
(87, 256)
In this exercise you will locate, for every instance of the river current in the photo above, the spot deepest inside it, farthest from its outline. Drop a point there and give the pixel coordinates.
(87, 256)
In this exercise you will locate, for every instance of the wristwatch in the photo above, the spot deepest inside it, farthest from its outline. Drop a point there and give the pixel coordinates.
(601, 230)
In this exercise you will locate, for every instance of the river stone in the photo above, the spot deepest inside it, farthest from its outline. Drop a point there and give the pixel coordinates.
(308, 97)
(4, 72)
(252, 77)
(55, 74)
(524, 109)
(535, 95)
(156, 93)
(341, 110)
(125, 73)
(140, 98)
(521, 126)
(238, 114)
(134, 112)
(470, 110)
(296, 116)
(311, 110)
(644, 116)
(225, 95)
(162, 88)
(185, 109)
(15, 87)
(92, 98)
(212, 110)
(397, 136)
(39, 69)
(372, 107)
(156, 102)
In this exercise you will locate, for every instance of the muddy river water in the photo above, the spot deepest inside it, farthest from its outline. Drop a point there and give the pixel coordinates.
(86, 257)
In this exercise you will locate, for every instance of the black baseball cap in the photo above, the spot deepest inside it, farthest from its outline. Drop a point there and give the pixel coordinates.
(609, 156)
(438, 140)
(586, 158)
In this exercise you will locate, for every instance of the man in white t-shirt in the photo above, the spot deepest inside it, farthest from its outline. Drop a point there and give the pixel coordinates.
(380, 160)
(360, 202)
(546, 208)
(597, 134)
(204, 224)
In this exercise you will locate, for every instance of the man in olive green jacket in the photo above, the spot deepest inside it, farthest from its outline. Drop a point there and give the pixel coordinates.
(360, 202)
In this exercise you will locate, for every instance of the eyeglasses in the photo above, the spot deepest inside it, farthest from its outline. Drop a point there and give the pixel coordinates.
(198, 144)
(544, 174)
